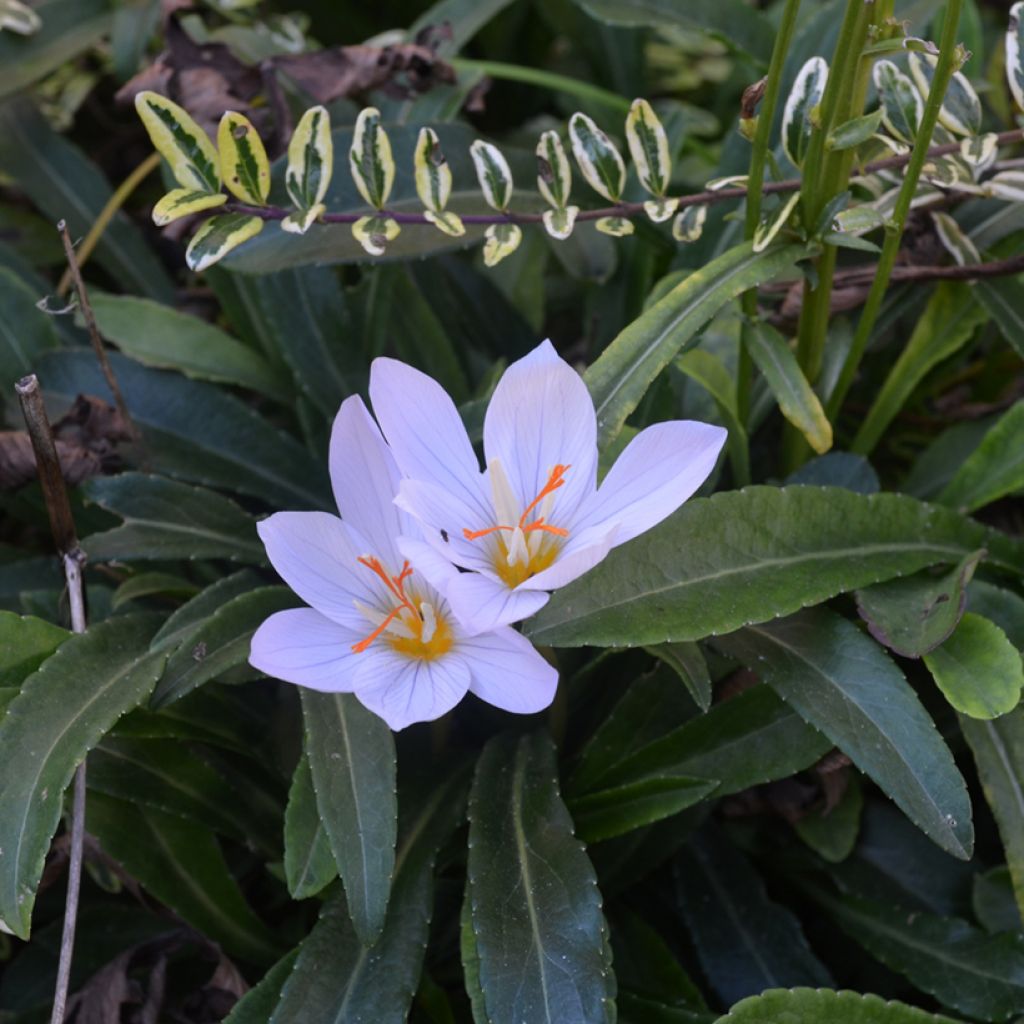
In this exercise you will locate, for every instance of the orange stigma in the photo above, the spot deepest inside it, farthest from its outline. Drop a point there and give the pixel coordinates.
(555, 480)
(396, 584)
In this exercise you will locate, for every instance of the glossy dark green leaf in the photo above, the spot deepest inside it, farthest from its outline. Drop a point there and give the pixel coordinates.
(1004, 607)
(978, 670)
(308, 861)
(181, 864)
(745, 941)
(142, 585)
(66, 185)
(25, 642)
(994, 469)
(165, 519)
(998, 749)
(229, 445)
(832, 833)
(220, 642)
(1003, 298)
(160, 336)
(48, 729)
(336, 978)
(914, 614)
(838, 469)
(621, 375)
(535, 912)
(823, 1006)
(25, 331)
(993, 902)
(967, 970)
(938, 463)
(743, 742)
(258, 1004)
(846, 686)
(193, 613)
(748, 556)
(352, 758)
(688, 662)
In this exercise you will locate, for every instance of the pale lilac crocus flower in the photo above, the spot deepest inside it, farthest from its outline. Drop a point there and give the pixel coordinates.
(377, 626)
(536, 518)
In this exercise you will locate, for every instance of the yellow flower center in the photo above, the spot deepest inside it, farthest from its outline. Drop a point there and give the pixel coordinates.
(532, 544)
(412, 628)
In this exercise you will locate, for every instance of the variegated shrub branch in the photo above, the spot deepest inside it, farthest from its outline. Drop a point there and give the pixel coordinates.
(961, 163)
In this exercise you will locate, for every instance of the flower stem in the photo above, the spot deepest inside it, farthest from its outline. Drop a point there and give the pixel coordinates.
(947, 64)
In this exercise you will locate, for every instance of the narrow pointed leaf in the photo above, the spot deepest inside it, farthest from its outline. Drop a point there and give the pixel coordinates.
(25, 642)
(800, 115)
(257, 1005)
(598, 159)
(752, 555)
(370, 159)
(648, 146)
(180, 141)
(309, 863)
(621, 375)
(690, 665)
(352, 758)
(47, 730)
(535, 911)
(810, 1006)
(978, 669)
(218, 236)
(847, 687)
(183, 202)
(493, 173)
(994, 469)
(310, 159)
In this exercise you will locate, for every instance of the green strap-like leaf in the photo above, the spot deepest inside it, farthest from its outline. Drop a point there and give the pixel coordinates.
(493, 173)
(310, 159)
(49, 727)
(599, 161)
(902, 106)
(994, 469)
(648, 146)
(823, 1006)
(796, 398)
(243, 160)
(308, 861)
(800, 115)
(370, 159)
(180, 141)
(844, 684)
(749, 556)
(218, 236)
(1015, 53)
(352, 758)
(25, 642)
(535, 912)
(257, 1005)
(621, 375)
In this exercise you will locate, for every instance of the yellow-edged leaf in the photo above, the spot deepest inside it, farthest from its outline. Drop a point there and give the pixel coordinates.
(310, 160)
(243, 160)
(374, 233)
(446, 221)
(218, 236)
(648, 146)
(599, 161)
(370, 160)
(299, 222)
(501, 240)
(493, 173)
(559, 222)
(660, 209)
(689, 225)
(432, 173)
(617, 227)
(180, 141)
(180, 202)
(554, 172)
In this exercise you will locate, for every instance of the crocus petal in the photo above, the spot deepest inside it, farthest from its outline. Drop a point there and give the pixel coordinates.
(443, 515)
(481, 603)
(365, 479)
(580, 555)
(508, 672)
(302, 646)
(658, 470)
(541, 415)
(405, 690)
(429, 563)
(315, 555)
(425, 431)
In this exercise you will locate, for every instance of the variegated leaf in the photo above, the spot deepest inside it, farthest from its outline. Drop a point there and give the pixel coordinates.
(660, 209)
(599, 161)
(218, 236)
(800, 115)
(370, 160)
(447, 222)
(299, 222)
(961, 109)
(554, 172)
(501, 240)
(1007, 185)
(243, 160)
(980, 151)
(20, 18)
(901, 103)
(432, 173)
(689, 225)
(180, 202)
(858, 220)
(732, 181)
(560, 221)
(617, 227)
(648, 146)
(1015, 53)
(310, 162)
(854, 132)
(772, 225)
(180, 141)
(374, 233)
(954, 241)
(493, 173)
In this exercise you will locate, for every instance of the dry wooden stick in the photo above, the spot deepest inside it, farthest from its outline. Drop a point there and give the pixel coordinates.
(62, 524)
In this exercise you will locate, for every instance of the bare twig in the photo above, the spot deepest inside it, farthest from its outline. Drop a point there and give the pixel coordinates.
(63, 526)
(94, 333)
(708, 197)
